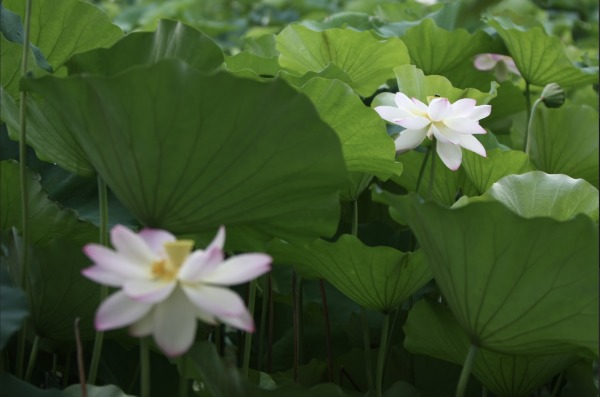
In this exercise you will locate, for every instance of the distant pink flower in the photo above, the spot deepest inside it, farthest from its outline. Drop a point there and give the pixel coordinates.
(452, 125)
(166, 288)
(500, 64)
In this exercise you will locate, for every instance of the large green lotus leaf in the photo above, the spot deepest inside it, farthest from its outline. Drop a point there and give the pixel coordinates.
(516, 285)
(431, 329)
(62, 28)
(10, 66)
(483, 172)
(541, 59)
(367, 60)
(95, 391)
(565, 141)
(435, 50)
(331, 72)
(380, 278)
(248, 64)
(46, 133)
(537, 194)
(13, 386)
(13, 306)
(365, 143)
(413, 83)
(171, 39)
(188, 152)
(48, 220)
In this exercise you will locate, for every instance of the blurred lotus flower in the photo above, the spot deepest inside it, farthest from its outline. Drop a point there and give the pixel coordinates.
(500, 64)
(452, 125)
(165, 287)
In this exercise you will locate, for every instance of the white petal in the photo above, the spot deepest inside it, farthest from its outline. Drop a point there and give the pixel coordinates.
(471, 143)
(131, 246)
(148, 291)
(410, 139)
(484, 62)
(480, 112)
(239, 269)
(217, 301)
(243, 321)
(175, 324)
(200, 263)
(444, 134)
(144, 326)
(439, 109)
(103, 276)
(463, 107)
(206, 317)
(510, 63)
(391, 114)
(219, 240)
(112, 261)
(404, 102)
(414, 123)
(464, 126)
(119, 310)
(450, 154)
(155, 239)
(419, 107)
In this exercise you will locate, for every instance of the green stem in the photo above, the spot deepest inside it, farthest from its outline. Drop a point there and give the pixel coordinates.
(183, 382)
(422, 170)
(103, 239)
(248, 335)
(527, 107)
(529, 131)
(24, 191)
(431, 172)
(382, 354)
(559, 382)
(367, 346)
(263, 325)
(145, 365)
(466, 371)
(32, 358)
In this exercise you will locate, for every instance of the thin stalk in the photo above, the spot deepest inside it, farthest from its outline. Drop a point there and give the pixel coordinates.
(80, 364)
(219, 339)
(559, 381)
(270, 335)
(297, 311)
(248, 335)
(382, 354)
(422, 170)
(528, 108)
(328, 341)
(24, 191)
(103, 239)
(466, 371)
(363, 315)
(32, 358)
(367, 346)
(529, 131)
(183, 382)
(355, 218)
(145, 365)
(263, 327)
(431, 173)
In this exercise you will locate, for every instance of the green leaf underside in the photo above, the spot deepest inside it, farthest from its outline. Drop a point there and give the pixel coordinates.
(46, 133)
(540, 58)
(537, 194)
(192, 166)
(413, 83)
(379, 278)
(367, 60)
(48, 220)
(435, 50)
(516, 286)
(365, 143)
(565, 141)
(76, 27)
(171, 39)
(432, 330)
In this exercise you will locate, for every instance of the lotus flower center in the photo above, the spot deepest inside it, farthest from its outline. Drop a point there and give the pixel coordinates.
(177, 252)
